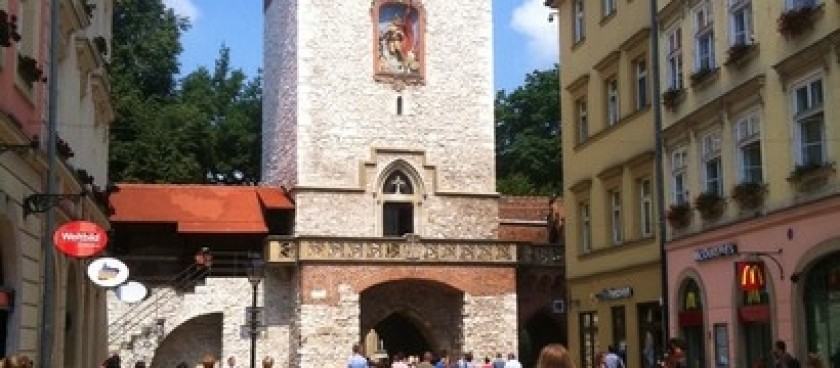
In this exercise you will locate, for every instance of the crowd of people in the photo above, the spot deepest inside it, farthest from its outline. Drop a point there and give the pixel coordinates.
(208, 361)
(551, 356)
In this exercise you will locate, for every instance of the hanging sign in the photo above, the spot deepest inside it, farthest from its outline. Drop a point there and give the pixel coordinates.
(107, 272)
(750, 275)
(80, 239)
(132, 292)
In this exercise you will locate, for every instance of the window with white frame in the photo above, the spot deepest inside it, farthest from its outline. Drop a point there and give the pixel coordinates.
(585, 228)
(640, 71)
(712, 165)
(615, 217)
(645, 208)
(679, 158)
(704, 37)
(578, 25)
(748, 141)
(612, 100)
(800, 4)
(740, 22)
(582, 121)
(608, 7)
(809, 122)
(674, 54)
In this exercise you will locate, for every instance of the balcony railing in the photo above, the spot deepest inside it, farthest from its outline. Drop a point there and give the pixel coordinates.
(410, 249)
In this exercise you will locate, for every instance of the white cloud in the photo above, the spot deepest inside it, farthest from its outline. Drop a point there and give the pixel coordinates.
(531, 20)
(183, 8)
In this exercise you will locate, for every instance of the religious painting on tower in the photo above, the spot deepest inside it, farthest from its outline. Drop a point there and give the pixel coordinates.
(399, 32)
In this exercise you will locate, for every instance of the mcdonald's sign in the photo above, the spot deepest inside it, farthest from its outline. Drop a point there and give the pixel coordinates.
(750, 275)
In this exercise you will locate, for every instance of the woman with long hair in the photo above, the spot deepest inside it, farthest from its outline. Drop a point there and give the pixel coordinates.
(555, 356)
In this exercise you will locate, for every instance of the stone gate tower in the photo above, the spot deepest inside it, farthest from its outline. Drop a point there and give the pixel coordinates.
(378, 117)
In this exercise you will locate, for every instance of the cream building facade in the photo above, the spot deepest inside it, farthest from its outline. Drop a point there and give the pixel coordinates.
(84, 117)
(750, 128)
(612, 253)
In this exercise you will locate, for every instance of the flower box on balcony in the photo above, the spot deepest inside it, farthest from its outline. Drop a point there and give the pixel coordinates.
(810, 177)
(63, 149)
(29, 70)
(702, 76)
(679, 215)
(749, 195)
(710, 205)
(8, 29)
(672, 97)
(740, 53)
(797, 21)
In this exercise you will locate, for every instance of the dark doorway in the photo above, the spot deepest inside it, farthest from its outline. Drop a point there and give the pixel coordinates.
(542, 330)
(398, 218)
(399, 334)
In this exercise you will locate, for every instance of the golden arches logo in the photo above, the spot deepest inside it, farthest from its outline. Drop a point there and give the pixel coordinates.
(751, 276)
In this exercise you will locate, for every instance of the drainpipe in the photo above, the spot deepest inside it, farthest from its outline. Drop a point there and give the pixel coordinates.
(48, 303)
(660, 178)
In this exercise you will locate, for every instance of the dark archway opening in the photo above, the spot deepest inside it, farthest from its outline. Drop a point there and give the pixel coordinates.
(542, 330)
(399, 334)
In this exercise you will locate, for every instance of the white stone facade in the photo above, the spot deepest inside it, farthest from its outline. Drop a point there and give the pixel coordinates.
(325, 118)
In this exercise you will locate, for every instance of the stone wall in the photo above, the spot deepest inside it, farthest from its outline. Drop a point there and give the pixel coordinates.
(182, 312)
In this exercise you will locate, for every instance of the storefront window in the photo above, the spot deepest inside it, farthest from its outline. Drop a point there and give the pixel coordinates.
(650, 333)
(589, 338)
(691, 324)
(822, 308)
(754, 313)
(619, 331)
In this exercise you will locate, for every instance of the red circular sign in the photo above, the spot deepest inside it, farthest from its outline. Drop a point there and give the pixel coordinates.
(80, 239)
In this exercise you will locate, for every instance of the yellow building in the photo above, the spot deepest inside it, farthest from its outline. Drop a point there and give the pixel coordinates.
(750, 92)
(612, 253)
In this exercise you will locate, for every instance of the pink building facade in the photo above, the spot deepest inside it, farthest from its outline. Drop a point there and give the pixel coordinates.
(790, 267)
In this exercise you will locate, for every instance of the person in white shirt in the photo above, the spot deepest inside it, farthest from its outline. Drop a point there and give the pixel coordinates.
(512, 362)
(612, 360)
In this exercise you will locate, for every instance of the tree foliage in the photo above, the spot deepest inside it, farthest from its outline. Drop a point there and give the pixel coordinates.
(528, 150)
(169, 131)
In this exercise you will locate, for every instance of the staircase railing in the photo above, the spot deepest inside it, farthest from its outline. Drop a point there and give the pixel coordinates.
(138, 313)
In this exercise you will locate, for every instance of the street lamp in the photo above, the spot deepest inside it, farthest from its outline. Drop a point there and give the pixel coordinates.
(256, 269)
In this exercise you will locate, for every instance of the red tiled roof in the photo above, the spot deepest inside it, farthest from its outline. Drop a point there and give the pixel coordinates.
(198, 208)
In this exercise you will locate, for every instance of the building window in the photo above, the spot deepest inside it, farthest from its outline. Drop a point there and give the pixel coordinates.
(674, 54)
(704, 38)
(582, 121)
(609, 7)
(740, 22)
(640, 68)
(612, 101)
(678, 175)
(585, 228)
(589, 338)
(649, 318)
(712, 180)
(809, 123)
(397, 205)
(800, 4)
(619, 326)
(748, 139)
(578, 25)
(615, 216)
(645, 208)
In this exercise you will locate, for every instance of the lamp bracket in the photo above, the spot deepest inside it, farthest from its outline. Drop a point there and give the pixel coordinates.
(38, 202)
(770, 255)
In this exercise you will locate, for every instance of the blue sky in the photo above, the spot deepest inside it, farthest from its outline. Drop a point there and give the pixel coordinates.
(524, 39)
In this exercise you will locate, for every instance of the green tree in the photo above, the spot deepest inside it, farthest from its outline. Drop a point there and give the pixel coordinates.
(528, 148)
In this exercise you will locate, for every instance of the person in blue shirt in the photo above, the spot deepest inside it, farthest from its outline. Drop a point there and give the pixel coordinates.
(357, 360)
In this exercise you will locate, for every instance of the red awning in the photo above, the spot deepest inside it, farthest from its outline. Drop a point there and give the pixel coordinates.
(198, 208)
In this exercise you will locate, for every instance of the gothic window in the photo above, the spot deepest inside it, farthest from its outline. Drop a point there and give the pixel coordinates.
(398, 204)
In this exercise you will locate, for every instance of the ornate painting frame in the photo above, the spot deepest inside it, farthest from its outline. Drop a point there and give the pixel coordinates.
(399, 42)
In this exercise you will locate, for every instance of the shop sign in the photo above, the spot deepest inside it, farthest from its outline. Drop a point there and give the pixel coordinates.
(750, 275)
(107, 272)
(7, 299)
(615, 293)
(754, 313)
(80, 239)
(718, 251)
(690, 318)
(132, 292)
